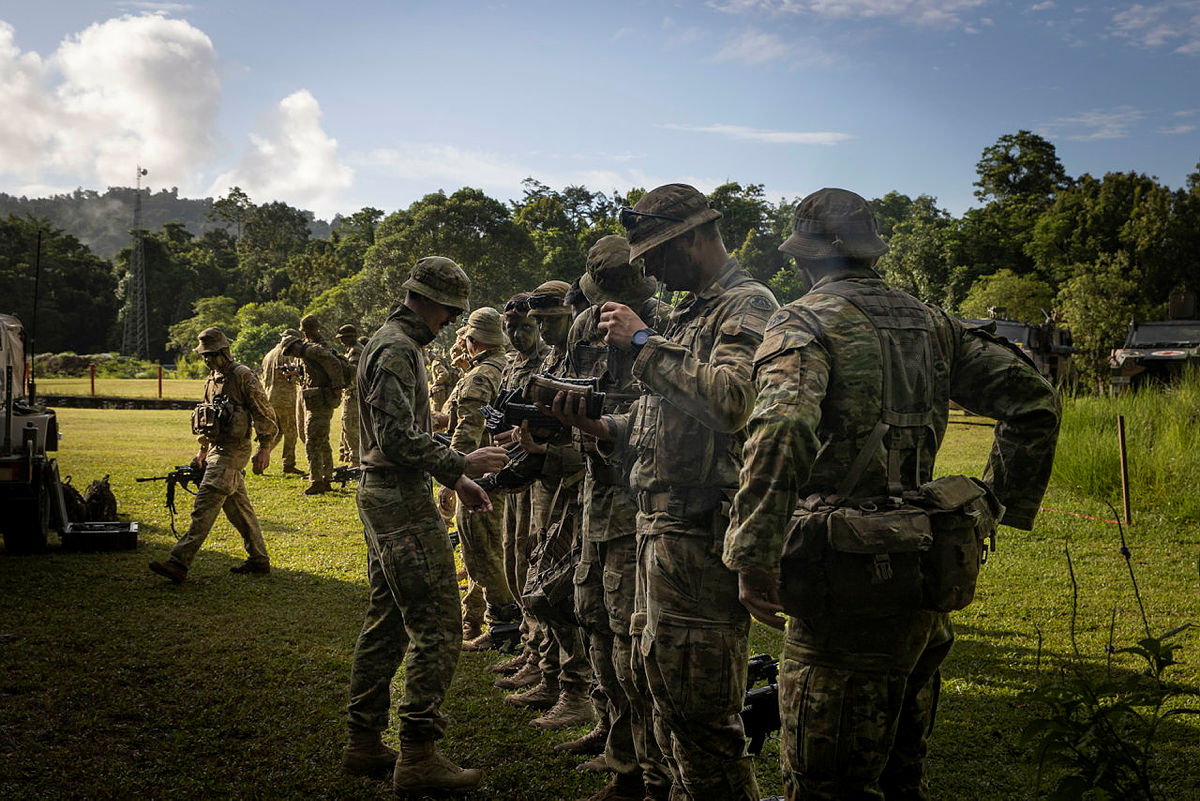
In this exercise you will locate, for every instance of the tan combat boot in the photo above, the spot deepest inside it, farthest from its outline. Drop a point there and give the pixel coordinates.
(421, 767)
(540, 696)
(527, 676)
(318, 488)
(480, 643)
(573, 708)
(622, 788)
(591, 743)
(176, 572)
(511, 665)
(366, 755)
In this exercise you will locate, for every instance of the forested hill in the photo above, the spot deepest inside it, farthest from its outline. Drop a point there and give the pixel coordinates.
(102, 220)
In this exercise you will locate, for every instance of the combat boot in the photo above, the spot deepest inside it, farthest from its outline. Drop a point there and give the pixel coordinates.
(292, 470)
(251, 566)
(621, 788)
(591, 743)
(176, 572)
(597, 764)
(527, 676)
(318, 488)
(540, 696)
(366, 755)
(421, 767)
(510, 665)
(573, 708)
(483, 642)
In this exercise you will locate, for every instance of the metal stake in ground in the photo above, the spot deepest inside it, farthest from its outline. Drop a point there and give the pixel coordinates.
(1124, 467)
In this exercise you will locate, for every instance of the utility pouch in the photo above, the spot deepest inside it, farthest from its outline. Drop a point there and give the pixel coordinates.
(549, 592)
(963, 513)
(221, 420)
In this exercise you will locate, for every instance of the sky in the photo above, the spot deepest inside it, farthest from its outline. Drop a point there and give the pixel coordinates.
(337, 106)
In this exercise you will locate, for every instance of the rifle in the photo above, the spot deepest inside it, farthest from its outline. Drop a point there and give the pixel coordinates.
(760, 709)
(516, 406)
(181, 476)
(346, 473)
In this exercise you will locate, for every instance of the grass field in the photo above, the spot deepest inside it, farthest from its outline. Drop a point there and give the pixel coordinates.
(116, 684)
(172, 388)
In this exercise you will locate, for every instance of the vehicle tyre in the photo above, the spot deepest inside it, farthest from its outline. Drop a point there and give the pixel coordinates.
(29, 528)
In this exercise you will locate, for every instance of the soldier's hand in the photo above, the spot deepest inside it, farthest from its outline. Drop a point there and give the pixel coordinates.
(261, 460)
(570, 408)
(472, 496)
(485, 460)
(528, 443)
(619, 323)
(445, 500)
(440, 421)
(759, 593)
(508, 437)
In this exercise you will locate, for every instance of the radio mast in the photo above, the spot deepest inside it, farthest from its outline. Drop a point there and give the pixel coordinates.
(136, 341)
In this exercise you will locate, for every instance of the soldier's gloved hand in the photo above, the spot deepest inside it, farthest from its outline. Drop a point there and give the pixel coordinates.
(488, 459)
(759, 593)
(472, 496)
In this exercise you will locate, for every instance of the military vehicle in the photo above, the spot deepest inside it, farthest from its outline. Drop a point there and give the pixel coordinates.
(1155, 352)
(30, 492)
(1047, 345)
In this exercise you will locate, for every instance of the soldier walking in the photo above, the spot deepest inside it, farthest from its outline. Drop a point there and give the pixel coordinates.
(413, 614)
(348, 452)
(281, 375)
(854, 383)
(235, 408)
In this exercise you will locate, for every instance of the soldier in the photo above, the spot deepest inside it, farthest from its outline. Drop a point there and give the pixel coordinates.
(686, 435)
(348, 452)
(854, 383)
(235, 406)
(488, 597)
(281, 374)
(413, 616)
(606, 576)
(324, 379)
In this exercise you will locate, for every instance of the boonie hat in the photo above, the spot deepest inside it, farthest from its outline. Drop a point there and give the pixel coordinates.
(610, 276)
(442, 281)
(547, 299)
(664, 213)
(290, 332)
(347, 331)
(486, 326)
(212, 340)
(834, 223)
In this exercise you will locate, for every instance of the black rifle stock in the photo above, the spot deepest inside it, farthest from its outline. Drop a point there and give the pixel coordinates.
(760, 708)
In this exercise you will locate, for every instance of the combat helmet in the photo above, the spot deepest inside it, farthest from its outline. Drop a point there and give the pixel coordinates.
(610, 276)
(442, 281)
(486, 326)
(834, 223)
(212, 340)
(664, 213)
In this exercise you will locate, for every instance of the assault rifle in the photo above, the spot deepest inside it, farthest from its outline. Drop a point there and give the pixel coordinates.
(516, 406)
(345, 473)
(182, 476)
(293, 371)
(760, 709)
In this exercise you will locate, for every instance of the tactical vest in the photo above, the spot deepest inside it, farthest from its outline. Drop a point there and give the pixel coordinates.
(223, 417)
(896, 542)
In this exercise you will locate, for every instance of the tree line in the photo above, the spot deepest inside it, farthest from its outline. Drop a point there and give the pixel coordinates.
(1092, 252)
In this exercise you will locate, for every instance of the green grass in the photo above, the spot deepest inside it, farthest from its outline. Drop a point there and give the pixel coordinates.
(120, 685)
(172, 388)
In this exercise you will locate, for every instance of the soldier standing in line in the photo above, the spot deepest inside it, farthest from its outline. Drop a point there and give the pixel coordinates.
(348, 452)
(606, 576)
(488, 597)
(854, 382)
(323, 382)
(413, 616)
(235, 406)
(686, 436)
(280, 377)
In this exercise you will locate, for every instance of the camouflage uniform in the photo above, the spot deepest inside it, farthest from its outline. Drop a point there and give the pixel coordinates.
(348, 450)
(223, 486)
(480, 534)
(321, 393)
(413, 615)
(606, 575)
(443, 378)
(857, 693)
(281, 392)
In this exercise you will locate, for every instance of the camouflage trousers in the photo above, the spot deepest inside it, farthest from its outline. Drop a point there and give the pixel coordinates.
(481, 538)
(857, 700)
(348, 449)
(562, 652)
(223, 489)
(316, 444)
(516, 545)
(692, 649)
(285, 415)
(412, 615)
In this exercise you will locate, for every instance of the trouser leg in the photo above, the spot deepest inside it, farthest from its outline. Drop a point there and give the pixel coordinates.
(480, 537)
(222, 477)
(241, 514)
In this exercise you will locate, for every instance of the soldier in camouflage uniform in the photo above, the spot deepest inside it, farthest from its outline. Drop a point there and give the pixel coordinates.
(281, 391)
(443, 378)
(413, 616)
(348, 452)
(223, 455)
(606, 576)
(323, 383)
(854, 382)
(488, 596)
(685, 432)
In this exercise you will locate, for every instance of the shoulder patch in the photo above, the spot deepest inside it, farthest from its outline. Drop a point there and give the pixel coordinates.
(778, 318)
(761, 303)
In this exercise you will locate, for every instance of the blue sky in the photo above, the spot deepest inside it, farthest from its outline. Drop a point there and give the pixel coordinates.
(334, 107)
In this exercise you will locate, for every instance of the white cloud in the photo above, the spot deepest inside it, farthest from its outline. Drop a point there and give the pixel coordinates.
(1173, 23)
(1091, 126)
(754, 47)
(743, 133)
(291, 159)
(932, 13)
(1175, 130)
(127, 91)
(1046, 6)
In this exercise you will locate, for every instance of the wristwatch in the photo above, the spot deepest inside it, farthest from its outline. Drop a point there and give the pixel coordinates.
(640, 338)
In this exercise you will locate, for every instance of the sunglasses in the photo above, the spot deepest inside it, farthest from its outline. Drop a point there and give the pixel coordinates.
(519, 306)
(544, 301)
(630, 218)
